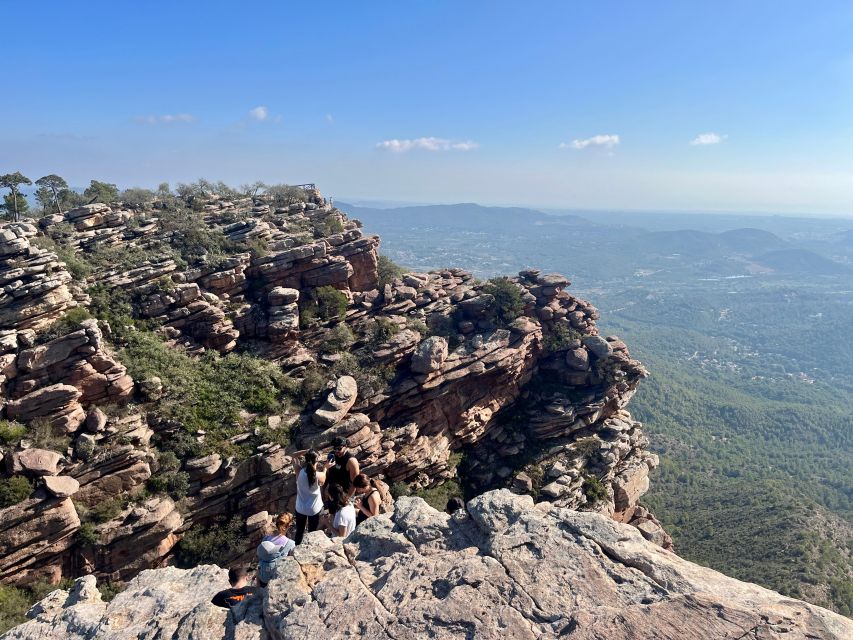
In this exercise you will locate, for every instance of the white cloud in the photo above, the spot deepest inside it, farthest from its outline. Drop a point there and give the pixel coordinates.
(427, 144)
(608, 141)
(166, 119)
(708, 138)
(259, 113)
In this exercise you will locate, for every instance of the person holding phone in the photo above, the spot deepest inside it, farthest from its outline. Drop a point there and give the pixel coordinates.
(309, 498)
(343, 466)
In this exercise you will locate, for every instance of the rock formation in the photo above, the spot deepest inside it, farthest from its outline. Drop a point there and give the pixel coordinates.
(506, 569)
(417, 371)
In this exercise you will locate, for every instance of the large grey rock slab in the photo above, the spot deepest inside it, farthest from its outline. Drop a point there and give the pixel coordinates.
(508, 568)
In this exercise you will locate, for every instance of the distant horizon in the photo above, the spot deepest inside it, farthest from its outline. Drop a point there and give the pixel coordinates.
(720, 106)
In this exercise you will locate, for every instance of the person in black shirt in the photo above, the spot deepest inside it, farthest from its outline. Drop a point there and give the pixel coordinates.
(239, 591)
(343, 466)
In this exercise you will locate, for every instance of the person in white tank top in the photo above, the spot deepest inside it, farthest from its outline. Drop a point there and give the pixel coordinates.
(309, 498)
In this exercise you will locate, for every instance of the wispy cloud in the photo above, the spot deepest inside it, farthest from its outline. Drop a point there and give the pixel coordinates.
(260, 113)
(607, 141)
(330, 118)
(708, 138)
(427, 144)
(166, 119)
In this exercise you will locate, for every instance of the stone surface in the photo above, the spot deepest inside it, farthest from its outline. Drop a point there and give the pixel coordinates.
(508, 570)
(429, 355)
(338, 402)
(61, 486)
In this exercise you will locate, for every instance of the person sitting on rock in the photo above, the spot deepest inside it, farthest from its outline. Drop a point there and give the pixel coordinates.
(309, 499)
(344, 522)
(274, 548)
(344, 466)
(239, 591)
(368, 496)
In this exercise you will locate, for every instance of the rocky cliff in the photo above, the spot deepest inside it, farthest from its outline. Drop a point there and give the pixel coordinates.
(433, 377)
(508, 568)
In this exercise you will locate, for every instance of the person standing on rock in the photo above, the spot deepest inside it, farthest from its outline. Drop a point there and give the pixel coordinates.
(344, 467)
(309, 498)
(368, 496)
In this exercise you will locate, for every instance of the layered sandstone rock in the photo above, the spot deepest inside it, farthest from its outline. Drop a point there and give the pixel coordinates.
(506, 569)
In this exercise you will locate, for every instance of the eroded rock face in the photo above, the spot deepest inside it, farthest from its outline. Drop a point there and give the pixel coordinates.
(510, 569)
(338, 402)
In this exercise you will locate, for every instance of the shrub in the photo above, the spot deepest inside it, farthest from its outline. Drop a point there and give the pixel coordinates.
(594, 489)
(416, 325)
(560, 338)
(206, 393)
(14, 604)
(585, 447)
(331, 303)
(313, 381)
(174, 483)
(332, 225)
(87, 535)
(44, 437)
(213, 544)
(337, 339)
(508, 302)
(107, 509)
(14, 490)
(399, 489)
(110, 590)
(438, 495)
(388, 270)
(11, 432)
(381, 331)
(370, 377)
(69, 323)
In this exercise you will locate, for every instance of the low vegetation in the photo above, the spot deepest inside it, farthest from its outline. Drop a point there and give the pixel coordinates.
(207, 393)
(508, 301)
(211, 544)
(14, 490)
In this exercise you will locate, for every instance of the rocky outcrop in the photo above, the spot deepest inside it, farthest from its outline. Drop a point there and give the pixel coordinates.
(506, 569)
(33, 282)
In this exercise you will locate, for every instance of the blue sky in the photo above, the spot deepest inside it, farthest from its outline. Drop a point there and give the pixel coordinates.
(701, 105)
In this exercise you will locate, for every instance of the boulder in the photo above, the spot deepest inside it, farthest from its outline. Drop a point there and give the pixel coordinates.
(338, 402)
(61, 486)
(34, 462)
(96, 420)
(578, 359)
(429, 355)
(599, 347)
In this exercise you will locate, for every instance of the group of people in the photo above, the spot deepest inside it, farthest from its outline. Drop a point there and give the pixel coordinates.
(336, 487)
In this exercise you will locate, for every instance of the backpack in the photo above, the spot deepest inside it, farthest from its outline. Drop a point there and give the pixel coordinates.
(269, 555)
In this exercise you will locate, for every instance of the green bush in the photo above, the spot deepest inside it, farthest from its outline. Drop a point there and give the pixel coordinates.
(594, 489)
(586, 447)
(388, 270)
(14, 490)
(508, 299)
(11, 432)
(314, 380)
(14, 604)
(332, 225)
(417, 325)
(338, 338)
(107, 509)
(213, 544)
(381, 331)
(87, 535)
(438, 495)
(206, 393)
(399, 489)
(331, 303)
(173, 483)
(560, 338)
(370, 377)
(69, 323)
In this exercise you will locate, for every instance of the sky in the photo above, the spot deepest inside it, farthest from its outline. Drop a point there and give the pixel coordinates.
(658, 105)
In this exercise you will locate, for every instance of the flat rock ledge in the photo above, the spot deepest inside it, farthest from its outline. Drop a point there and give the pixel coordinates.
(507, 569)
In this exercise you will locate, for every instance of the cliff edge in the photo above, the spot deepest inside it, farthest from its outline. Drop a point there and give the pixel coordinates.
(507, 569)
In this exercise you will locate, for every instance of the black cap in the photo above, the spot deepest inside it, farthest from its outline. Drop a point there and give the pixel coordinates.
(339, 442)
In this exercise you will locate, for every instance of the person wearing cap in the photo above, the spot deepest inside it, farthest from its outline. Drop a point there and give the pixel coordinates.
(343, 466)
